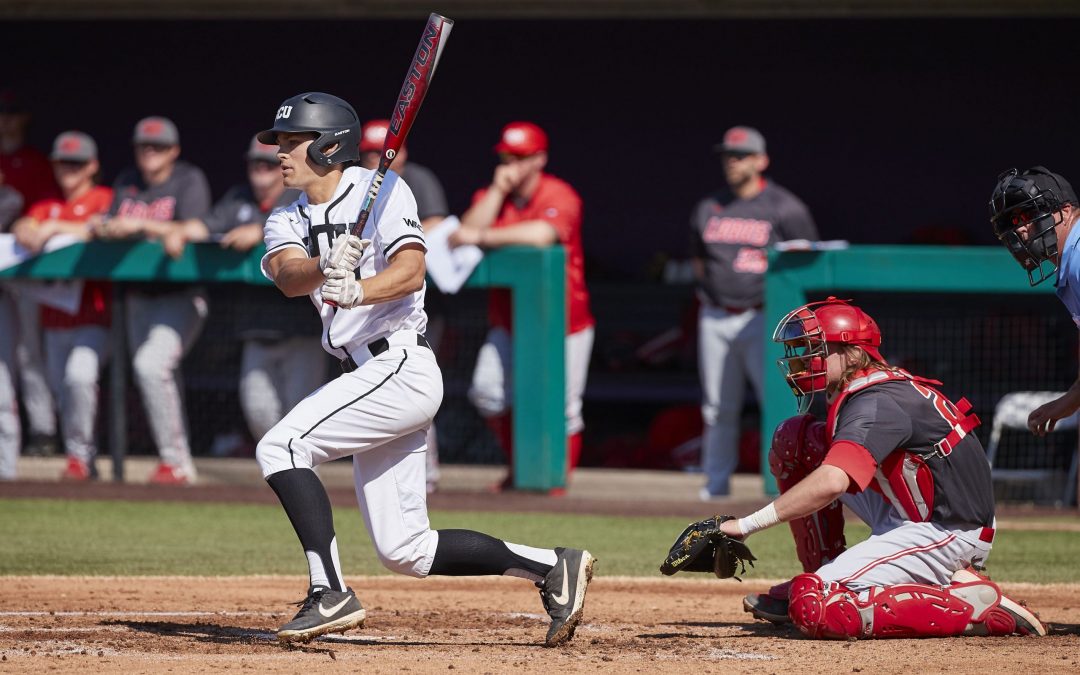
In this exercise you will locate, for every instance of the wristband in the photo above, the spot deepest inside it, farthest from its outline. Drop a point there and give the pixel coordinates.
(759, 520)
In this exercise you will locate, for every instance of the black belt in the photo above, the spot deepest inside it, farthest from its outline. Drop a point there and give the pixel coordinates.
(378, 347)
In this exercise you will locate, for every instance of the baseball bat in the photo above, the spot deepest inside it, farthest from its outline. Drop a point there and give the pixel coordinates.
(417, 79)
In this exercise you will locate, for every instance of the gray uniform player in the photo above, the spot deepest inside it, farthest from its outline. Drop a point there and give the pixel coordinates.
(150, 200)
(732, 231)
(369, 293)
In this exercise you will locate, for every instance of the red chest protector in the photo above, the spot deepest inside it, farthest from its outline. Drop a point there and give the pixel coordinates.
(904, 478)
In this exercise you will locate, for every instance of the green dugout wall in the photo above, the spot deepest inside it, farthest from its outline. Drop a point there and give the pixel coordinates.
(535, 276)
(795, 276)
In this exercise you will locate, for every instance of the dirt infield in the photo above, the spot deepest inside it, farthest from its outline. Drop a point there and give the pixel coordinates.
(490, 625)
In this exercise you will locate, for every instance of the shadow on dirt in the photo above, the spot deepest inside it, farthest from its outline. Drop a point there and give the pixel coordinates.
(234, 635)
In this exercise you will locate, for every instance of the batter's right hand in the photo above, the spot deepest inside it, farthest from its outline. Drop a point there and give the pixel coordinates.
(344, 254)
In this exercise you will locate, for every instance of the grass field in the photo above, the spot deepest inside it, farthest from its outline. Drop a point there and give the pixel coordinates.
(172, 538)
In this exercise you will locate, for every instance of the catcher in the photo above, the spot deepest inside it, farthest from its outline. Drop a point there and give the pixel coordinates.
(900, 455)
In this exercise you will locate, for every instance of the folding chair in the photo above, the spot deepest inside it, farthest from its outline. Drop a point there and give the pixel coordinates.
(1011, 412)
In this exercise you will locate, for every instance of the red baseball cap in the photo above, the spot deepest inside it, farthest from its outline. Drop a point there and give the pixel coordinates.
(522, 138)
(373, 135)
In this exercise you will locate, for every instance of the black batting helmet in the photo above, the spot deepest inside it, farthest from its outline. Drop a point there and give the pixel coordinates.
(1030, 199)
(331, 118)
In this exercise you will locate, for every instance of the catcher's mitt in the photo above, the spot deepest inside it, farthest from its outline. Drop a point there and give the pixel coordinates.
(702, 547)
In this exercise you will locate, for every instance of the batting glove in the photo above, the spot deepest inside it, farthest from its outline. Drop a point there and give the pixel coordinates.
(342, 288)
(344, 254)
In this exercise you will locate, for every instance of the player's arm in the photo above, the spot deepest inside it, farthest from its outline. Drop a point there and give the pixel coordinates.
(294, 272)
(32, 234)
(403, 276)
(528, 233)
(484, 211)
(813, 493)
(1042, 420)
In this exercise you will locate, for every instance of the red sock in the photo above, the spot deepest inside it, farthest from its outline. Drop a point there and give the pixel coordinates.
(503, 428)
(573, 443)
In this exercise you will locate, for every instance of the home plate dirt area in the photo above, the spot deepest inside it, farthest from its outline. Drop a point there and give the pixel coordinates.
(476, 625)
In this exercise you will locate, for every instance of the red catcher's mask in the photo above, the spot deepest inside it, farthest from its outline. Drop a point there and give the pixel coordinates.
(805, 333)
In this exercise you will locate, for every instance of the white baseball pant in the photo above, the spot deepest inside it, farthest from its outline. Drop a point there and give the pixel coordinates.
(36, 397)
(379, 414)
(161, 329)
(492, 382)
(73, 360)
(275, 376)
(730, 352)
(10, 432)
(899, 551)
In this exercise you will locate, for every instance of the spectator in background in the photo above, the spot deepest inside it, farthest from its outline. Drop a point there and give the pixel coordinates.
(11, 205)
(524, 206)
(432, 209)
(26, 169)
(283, 359)
(75, 344)
(152, 199)
(430, 197)
(731, 233)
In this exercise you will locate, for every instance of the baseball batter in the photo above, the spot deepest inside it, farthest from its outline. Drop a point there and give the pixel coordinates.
(379, 409)
(1034, 213)
(902, 456)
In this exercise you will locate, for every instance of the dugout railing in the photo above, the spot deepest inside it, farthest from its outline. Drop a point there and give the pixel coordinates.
(535, 276)
(948, 287)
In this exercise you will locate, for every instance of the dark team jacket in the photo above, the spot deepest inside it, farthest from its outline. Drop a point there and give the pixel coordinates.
(260, 312)
(896, 433)
(186, 194)
(732, 237)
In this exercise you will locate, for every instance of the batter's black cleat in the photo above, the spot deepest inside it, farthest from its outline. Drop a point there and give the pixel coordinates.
(323, 611)
(563, 593)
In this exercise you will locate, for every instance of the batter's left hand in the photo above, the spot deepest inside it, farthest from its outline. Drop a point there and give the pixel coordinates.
(342, 288)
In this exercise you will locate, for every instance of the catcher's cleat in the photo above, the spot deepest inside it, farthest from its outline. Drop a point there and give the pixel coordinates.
(1027, 622)
(563, 593)
(323, 611)
(763, 606)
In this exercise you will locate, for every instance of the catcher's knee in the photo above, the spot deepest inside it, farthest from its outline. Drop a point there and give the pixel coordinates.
(798, 447)
(823, 611)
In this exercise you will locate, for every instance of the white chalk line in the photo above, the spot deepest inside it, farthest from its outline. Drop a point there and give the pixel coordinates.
(123, 614)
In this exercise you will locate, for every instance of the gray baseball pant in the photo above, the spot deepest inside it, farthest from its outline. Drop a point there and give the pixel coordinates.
(730, 352)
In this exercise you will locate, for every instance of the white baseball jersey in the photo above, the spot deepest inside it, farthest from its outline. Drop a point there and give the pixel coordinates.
(393, 224)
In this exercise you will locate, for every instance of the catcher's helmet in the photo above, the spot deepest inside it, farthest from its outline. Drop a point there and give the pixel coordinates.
(331, 118)
(1030, 200)
(804, 333)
